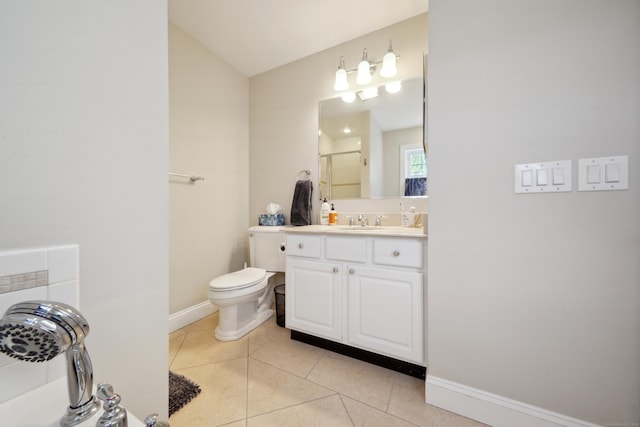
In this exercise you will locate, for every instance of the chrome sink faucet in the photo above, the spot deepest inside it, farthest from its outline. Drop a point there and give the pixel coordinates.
(364, 221)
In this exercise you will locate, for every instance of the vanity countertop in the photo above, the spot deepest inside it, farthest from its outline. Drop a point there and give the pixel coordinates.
(384, 231)
(44, 406)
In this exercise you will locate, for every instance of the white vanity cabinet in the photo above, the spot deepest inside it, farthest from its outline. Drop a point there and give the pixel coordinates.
(313, 298)
(364, 291)
(385, 312)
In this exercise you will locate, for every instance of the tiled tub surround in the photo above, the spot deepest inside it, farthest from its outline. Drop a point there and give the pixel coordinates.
(49, 273)
(18, 282)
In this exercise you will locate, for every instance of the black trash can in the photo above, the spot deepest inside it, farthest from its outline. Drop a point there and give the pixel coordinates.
(279, 291)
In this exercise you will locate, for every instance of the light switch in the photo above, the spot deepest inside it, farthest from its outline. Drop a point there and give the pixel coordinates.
(593, 174)
(612, 172)
(541, 177)
(614, 168)
(558, 176)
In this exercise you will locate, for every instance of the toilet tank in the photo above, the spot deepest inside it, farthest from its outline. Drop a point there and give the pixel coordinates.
(267, 247)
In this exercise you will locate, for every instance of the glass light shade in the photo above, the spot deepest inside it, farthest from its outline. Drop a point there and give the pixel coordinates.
(364, 72)
(348, 97)
(341, 80)
(389, 68)
(393, 87)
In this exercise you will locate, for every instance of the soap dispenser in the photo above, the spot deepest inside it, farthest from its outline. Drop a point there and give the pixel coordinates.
(324, 212)
(333, 216)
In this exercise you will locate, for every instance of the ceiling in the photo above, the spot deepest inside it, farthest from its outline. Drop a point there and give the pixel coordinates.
(255, 36)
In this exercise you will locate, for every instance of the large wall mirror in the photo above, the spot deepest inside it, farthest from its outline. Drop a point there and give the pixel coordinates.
(373, 148)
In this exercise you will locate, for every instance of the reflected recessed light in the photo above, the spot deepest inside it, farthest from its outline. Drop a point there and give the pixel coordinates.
(347, 130)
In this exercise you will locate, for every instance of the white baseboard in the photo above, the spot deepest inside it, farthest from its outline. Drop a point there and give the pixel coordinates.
(492, 409)
(190, 314)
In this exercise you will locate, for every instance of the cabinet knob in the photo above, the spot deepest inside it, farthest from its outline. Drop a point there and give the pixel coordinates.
(335, 269)
(300, 246)
(396, 253)
(352, 271)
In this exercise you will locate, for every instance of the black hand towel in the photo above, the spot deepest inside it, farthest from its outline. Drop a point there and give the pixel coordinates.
(301, 206)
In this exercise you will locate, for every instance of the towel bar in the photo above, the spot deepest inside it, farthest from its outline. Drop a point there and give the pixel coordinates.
(305, 171)
(193, 178)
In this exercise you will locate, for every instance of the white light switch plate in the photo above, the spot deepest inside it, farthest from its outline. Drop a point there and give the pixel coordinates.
(603, 173)
(547, 177)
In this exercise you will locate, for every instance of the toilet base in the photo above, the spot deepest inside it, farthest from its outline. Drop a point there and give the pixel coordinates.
(239, 318)
(236, 334)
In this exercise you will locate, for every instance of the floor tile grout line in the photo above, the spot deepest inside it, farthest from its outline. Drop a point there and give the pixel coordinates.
(334, 393)
(393, 384)
(246, 403)
(178, 349)
(345, 409)
(306, 377)
(378, 409)
(208, 363)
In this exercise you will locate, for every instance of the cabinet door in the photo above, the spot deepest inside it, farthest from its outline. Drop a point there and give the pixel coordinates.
(385, 312)
(313, 298)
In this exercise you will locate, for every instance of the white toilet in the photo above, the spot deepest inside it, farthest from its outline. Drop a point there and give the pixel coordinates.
(244, 297)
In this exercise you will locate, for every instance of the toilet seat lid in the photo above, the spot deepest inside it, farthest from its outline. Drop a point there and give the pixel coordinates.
(238, 279)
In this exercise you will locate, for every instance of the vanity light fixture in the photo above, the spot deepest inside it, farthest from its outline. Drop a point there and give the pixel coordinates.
(365, 71)
(389, 68)
(341, 77)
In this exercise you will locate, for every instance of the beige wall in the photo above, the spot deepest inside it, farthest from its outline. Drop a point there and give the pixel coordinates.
(83, 160)
(284, 115)
(535, 297)
(209, 136)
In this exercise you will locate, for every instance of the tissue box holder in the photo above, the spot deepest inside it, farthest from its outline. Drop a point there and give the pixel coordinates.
(271, 219)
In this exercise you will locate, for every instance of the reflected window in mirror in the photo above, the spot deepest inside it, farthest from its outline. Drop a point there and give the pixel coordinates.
(414, 176)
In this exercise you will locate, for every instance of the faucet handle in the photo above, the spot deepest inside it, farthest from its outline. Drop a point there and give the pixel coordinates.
(379, 220)
(152, 421)
(351, 219)
(114, 414)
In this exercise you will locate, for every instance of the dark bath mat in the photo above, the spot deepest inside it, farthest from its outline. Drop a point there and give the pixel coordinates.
(181, 391)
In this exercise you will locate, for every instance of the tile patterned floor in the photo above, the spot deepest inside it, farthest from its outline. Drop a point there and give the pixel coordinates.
(266, 379)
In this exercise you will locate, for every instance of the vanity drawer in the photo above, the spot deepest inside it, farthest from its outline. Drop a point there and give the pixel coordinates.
(398, 252)
(304, 245)
(352, 249)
